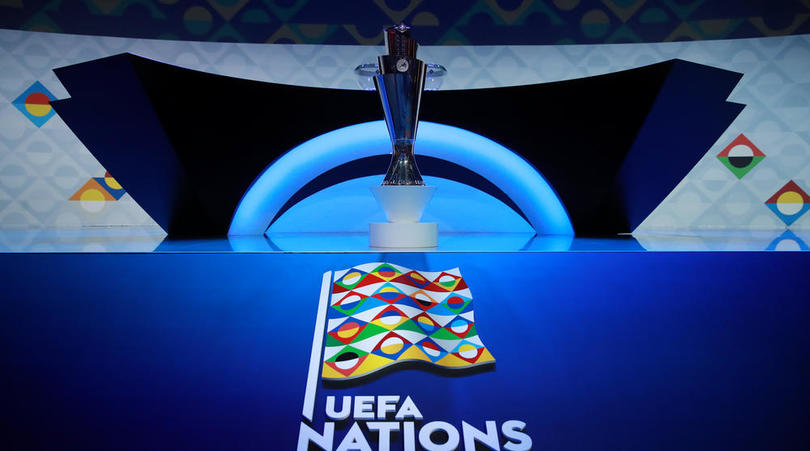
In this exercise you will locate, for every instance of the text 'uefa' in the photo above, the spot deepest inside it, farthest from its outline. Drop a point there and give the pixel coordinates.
(388, 421)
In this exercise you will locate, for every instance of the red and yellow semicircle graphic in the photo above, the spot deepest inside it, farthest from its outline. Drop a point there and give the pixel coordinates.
(789, 203)
(38, 104)
(35, 104)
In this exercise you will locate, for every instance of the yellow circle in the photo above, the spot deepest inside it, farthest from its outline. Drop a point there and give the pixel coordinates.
(37, 110)
(351, 278)
(391, 346)
(347, 332)
(112, 183)
(467, 351)
(91, 194)
(790, 197)
(789, 203)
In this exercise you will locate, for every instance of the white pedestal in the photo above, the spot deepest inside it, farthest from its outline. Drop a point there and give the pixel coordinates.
(403, 234)
(403, 206)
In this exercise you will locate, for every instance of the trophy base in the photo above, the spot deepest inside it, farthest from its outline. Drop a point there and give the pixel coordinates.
(403, 206)
(403, 203)
(403, 234)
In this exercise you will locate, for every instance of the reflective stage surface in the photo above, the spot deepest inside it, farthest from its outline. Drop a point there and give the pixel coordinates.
(665, 351)
(121, 239)
(124, 339)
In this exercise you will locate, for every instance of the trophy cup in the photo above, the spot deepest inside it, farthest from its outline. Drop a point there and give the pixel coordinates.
(400, 80)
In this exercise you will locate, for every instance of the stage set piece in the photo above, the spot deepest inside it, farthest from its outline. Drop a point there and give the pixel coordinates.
(199, 170)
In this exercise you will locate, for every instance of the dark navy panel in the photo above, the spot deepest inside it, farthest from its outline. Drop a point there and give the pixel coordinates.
(136, 148)
(599, 141)
(687, 118)
(221, 131)
(594, 351)
(604, 142)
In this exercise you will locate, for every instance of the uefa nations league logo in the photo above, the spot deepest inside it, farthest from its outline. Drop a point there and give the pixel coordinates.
(377, 318)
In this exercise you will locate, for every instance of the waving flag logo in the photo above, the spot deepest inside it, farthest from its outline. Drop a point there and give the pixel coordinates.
(382, 314)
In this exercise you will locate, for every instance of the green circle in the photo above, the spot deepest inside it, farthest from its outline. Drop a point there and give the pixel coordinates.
(595, 23)
(625, 3)
(198, 20)
(566, 5)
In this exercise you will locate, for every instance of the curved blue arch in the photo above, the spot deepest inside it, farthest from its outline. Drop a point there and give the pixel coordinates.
(504, 168)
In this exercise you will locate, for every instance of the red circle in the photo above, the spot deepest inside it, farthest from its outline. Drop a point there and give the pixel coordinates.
(37, 98)
(455, 300)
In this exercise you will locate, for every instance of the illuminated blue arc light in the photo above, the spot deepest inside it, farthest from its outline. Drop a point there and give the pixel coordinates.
(507, 170)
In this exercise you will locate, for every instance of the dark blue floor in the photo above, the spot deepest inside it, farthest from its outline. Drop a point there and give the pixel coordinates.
(594, 350)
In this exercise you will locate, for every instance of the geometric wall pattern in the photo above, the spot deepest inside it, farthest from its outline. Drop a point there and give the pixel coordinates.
(482, 22)
(42, 167)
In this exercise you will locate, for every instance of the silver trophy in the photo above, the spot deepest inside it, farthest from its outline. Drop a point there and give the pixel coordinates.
(400, 82)
(399, 79)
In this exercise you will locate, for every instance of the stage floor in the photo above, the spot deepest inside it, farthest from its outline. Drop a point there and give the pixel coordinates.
(121, 239)
(115, 339)
(595, 350)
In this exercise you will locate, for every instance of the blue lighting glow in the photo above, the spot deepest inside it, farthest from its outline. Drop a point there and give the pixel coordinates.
(507, 170)
(350, 206)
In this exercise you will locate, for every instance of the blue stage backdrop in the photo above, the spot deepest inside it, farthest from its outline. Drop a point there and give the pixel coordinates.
(664, 351)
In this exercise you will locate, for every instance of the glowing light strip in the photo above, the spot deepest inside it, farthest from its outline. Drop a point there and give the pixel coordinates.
(507, 170)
